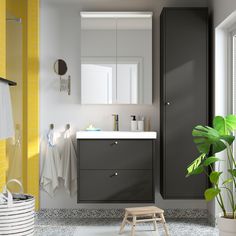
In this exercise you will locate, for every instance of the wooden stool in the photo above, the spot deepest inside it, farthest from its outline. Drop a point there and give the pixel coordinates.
(155, 213)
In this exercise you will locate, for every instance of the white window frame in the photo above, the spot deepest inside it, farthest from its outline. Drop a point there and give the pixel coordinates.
(231, 83)
(231, 32)
(230, 79)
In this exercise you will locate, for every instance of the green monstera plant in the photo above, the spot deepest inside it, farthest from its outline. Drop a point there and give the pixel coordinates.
(209, 142)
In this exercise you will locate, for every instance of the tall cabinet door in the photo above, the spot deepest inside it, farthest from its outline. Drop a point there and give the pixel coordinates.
(184, 97)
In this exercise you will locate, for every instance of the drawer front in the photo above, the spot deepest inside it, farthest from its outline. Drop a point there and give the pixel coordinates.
(106, 186)
(115, 154)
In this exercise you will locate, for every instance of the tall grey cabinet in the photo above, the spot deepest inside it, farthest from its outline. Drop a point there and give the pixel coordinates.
(184, 97)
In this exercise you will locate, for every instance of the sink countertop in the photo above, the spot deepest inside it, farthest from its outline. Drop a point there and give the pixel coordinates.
(115, 135)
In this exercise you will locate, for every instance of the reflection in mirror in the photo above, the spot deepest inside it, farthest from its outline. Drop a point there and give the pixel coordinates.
(129, 80)
(98, 80)
(116, 62)
(111, 81)
(134, 47)
(60, 67)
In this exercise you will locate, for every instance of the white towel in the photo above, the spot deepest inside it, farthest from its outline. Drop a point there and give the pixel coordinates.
(6, 118)
(68, 169)
(14, 155)
(51, 163)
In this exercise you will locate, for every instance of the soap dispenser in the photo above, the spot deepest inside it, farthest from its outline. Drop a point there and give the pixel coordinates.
(134, 123)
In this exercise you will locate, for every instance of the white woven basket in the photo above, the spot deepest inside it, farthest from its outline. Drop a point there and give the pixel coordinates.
(16, 217)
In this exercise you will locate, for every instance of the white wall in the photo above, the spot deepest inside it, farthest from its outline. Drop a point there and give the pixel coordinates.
(60, 38)
(221, 10)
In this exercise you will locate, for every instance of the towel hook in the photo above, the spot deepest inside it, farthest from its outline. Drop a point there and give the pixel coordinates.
(51, 126)
(68, 126)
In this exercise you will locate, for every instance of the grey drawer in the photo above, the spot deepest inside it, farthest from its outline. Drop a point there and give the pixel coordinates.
(115, 154)
(104, 186)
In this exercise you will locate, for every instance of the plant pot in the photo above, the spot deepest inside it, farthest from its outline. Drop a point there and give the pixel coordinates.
(226, 226)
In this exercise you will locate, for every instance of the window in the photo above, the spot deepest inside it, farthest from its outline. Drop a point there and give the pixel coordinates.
(232, 75)
(233, 72)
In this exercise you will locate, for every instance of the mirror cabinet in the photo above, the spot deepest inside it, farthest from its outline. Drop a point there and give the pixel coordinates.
(116, 58)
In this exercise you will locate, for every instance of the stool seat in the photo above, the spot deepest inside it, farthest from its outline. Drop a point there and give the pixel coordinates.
(143, 211)
(150, 214)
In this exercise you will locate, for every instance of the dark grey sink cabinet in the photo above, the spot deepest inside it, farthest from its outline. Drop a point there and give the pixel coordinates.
(115, 171)
(184, 97)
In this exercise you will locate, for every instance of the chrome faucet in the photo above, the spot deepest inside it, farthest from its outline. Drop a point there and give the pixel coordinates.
(116, 122)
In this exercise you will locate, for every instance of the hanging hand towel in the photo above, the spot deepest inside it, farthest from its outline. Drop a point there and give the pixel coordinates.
(14, 155)
(68, 170)
(6, 119)
(49, 176)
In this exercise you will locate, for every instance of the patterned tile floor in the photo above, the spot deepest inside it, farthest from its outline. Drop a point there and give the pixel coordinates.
(110, 227)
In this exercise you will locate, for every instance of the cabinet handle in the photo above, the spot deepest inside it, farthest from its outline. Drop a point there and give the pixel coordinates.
(168, 103)
(114, 175)
(114, 143)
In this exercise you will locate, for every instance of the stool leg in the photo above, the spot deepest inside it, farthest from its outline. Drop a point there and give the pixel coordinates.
(164, 224)
(133, 226)
(123, 223)
(154, 222)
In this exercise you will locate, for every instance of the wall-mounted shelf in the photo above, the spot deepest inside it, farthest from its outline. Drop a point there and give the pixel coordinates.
(11, 83)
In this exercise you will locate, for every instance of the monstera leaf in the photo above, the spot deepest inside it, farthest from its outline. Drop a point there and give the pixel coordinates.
(209, 139)
(225, 125)
(196, 166)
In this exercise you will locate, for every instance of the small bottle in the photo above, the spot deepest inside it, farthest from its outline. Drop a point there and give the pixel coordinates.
(141, 124)
(134, 124)
(148, 124)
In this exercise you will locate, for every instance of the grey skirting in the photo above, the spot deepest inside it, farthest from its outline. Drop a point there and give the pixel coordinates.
(116, 213)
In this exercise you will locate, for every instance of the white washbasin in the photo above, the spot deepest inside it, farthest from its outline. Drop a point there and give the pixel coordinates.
(115, 135)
